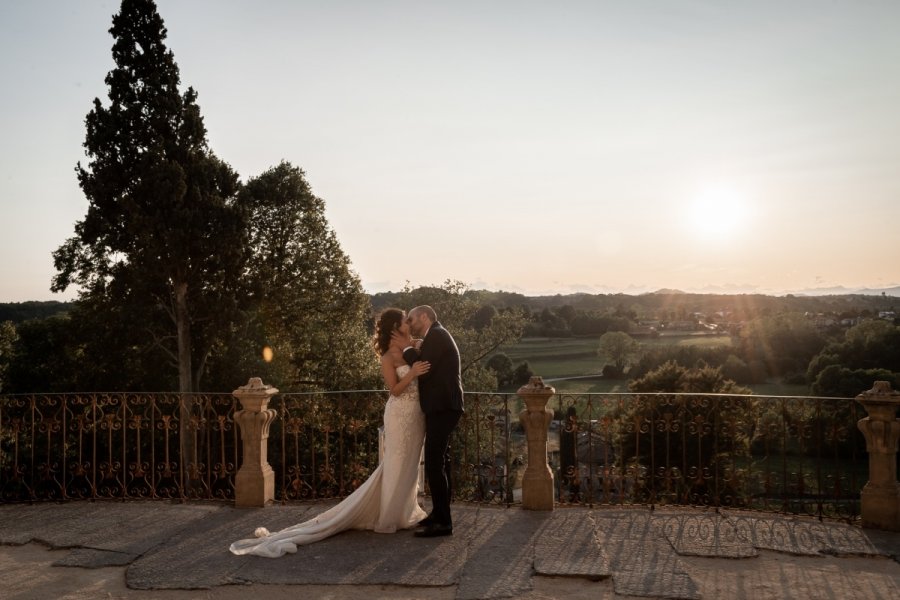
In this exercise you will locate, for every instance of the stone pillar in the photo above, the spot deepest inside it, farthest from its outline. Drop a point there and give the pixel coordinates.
(881, 495)
(254, 484)
(537, 483)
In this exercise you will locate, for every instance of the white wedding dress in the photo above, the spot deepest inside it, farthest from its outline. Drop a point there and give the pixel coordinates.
(386, 501)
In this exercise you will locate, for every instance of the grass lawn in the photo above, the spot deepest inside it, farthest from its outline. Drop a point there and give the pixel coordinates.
(557, 359)
(695, 339)
(573, 357)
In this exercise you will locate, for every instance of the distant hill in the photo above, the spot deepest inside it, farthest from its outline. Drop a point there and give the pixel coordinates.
(843, 291)
(18, 312)
(739, 306)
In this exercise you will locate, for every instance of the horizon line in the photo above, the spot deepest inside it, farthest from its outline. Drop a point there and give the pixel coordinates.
(892, 291)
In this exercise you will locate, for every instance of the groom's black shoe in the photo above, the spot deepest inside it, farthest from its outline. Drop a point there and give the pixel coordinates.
(435, 530)
(426, 522)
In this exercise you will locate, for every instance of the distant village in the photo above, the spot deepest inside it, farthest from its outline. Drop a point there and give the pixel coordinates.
(720, 322)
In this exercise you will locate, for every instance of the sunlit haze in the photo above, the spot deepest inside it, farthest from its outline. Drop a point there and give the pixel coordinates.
(534, 147)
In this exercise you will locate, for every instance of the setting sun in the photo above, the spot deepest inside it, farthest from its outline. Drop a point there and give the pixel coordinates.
(718, 212)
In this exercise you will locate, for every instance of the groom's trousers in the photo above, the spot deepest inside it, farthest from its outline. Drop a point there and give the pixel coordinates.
(438, 428)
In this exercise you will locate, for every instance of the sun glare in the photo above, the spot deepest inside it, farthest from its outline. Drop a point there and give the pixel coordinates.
(717, 212)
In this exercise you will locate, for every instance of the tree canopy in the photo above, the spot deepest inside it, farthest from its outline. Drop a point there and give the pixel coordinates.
(309, 306)
(619, 348)
(183, 270)
(162, 232)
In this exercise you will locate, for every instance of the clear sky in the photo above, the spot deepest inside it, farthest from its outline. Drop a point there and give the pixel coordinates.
(538, 147)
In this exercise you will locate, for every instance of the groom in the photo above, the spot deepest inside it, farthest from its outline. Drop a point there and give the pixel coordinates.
(441, 398)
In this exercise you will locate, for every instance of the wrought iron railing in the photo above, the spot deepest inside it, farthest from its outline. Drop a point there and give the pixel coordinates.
(790, 454)
(117, 445)
(800, 455)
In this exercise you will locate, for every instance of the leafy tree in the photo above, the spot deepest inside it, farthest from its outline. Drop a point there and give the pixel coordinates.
(522, 374)
(502, 366)
(839, 381)
(483, 317)
(823, 359)
(735, 369)
(619, 348)
(674, 378)
(8, 338)
(784, 343)
(687, 356)
(507, 373)
(592, 323)
(308, 305)
(688, 444)
(567, 313)
(163, 241)
(873, 344)
(549, 324)
(41, 358)
(17, 312)
(162, 233)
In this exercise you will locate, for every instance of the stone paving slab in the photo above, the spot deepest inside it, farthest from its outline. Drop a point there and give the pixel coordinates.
(89, 558)
(568, 547)
(704, 534)
(494, 553)
(802, 536)
(197, 557)
(366, 557)
(19, 522)
(500, 553)
(642, 560)
(886, 543)
(112, 526)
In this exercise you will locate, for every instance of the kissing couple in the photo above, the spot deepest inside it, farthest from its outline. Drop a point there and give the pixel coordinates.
(421, 368)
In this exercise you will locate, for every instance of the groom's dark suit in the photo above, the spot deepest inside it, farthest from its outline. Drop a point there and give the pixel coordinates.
(441, 398)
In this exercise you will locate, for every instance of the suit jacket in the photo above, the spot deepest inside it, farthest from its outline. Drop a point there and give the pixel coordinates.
(441, 387)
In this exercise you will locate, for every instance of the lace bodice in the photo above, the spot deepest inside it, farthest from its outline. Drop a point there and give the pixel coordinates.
(412, 390)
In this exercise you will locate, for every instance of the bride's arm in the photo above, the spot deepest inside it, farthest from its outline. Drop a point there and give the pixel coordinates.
(389, 372)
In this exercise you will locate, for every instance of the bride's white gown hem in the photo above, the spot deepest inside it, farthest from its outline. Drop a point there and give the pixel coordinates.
(384, 503)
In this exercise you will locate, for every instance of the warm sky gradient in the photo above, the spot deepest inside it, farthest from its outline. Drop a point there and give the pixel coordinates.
(538, 147)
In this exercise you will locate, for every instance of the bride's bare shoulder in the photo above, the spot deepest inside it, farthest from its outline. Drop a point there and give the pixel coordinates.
(392, 358)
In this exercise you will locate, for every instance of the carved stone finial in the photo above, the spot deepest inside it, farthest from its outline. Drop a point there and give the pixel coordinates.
(536, 385)
(881, 390)
(880, 498)
(537, 481)
(255, 385)
(254, 483)
(882, 387)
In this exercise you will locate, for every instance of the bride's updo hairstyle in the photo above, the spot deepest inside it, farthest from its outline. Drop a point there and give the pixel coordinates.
(389, 320)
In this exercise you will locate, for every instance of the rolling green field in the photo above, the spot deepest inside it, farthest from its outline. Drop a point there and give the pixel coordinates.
(574, 357)
(559, 359)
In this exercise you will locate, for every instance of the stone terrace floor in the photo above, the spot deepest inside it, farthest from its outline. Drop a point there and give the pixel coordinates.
(143, 550)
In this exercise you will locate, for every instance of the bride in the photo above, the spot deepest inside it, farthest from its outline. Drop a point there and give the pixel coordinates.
(386, 501)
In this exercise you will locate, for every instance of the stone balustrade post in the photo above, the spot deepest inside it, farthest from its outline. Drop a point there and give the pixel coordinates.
(881, 495)
(254, 484)
(537, 482)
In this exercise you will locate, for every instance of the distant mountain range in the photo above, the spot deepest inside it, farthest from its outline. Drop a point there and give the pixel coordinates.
(824, 291)
(843, 291)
